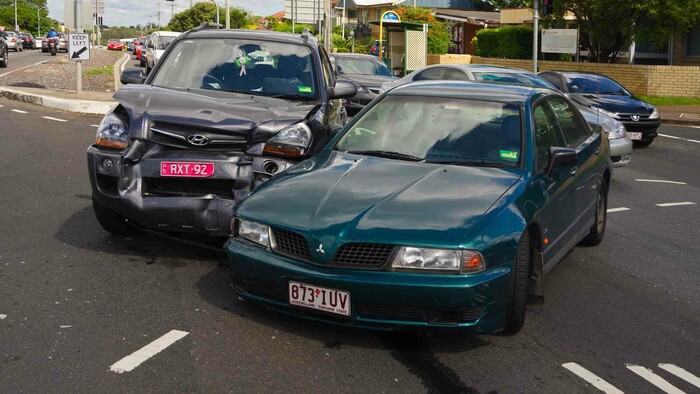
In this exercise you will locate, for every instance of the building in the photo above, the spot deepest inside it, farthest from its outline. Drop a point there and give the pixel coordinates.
(87, 16)
(465, 24)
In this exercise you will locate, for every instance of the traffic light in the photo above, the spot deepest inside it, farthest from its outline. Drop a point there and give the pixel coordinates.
(547, 7)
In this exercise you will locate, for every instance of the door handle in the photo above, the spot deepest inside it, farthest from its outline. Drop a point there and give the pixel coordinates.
(596, 151)
(572, 171)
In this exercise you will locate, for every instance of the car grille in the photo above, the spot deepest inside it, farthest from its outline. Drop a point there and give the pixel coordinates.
(222, 188)
(628, 117)
(291, 244)
(363, 255)
(176, 135)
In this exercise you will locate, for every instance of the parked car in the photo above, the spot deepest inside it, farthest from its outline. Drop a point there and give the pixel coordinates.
(598, 91)
(208, 124)
(62, 43)
(620, 144)
(157, 43)
(138, 42)
(367, 72)
(114, 45)
(129, 43)
(141, 52)
(4, 54)
(14, 42)
(374, 49)
(28, 41)
(442, 204)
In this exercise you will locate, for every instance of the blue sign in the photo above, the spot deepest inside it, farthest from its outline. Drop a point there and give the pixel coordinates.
(391, 17)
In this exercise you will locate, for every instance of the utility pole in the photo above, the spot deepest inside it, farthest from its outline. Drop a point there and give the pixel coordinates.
(536, 35)
(329, 25)
(16, 26)
(158, 2)
(228, 15)
(293, 17)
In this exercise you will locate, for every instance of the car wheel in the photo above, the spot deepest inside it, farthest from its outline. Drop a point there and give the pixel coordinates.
(4, 63)
(141, 62)
(111, 220)
(597, 231)
(642, 144)
(148, 69)
(515, 315)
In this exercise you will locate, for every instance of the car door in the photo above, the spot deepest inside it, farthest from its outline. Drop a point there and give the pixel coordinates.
(554, 217)
(577, 135)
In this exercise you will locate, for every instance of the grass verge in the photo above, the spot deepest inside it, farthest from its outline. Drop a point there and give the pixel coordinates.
(104, 70)
(670, 101)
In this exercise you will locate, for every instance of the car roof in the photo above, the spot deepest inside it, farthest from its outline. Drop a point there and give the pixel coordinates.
(471, 90)
(167, 33)
(354, 55)
(262, 35)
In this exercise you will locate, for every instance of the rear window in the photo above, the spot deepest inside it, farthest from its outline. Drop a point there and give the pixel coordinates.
(514, 79)
(595, 84)
(164, 42)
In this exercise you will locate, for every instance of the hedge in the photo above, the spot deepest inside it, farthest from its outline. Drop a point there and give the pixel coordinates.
(511, 42)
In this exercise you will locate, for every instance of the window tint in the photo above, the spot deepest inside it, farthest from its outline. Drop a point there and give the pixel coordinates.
(458, 75)
(432, 74)
(546, 134)
(553, 79)
(573, 130)
(326, 66)
(513, 78)
(596, 84)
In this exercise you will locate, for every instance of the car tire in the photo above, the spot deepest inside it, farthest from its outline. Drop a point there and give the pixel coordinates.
(141, 62)
(110, 220)
(597, 231)
(515, 314)
(4, 63)
(642, 144)
(44, 50)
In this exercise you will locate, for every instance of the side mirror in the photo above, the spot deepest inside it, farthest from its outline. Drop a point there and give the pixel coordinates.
(561, 157)
(133, 76)
(342, 89)
(150, 45)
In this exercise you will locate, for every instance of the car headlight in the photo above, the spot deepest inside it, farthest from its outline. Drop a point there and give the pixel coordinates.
(112, 133)
(253, 232)
(292, 141)
(654, 114)
(618, 130)
(441, 260)
(608, 113)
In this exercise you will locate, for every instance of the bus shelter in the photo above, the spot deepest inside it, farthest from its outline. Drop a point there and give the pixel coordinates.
(404, 45)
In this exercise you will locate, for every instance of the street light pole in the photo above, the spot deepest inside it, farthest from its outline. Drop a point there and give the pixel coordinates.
(536, 35)
(228, 15)
(16, 27)
(217, 10)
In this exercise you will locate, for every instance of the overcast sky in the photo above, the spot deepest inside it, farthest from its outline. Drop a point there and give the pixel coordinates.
(134, 12)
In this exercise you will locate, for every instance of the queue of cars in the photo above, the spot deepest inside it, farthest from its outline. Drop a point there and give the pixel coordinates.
(441, 203)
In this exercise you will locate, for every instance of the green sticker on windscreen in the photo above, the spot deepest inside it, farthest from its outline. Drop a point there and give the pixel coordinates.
(305, 89)
(509, 154)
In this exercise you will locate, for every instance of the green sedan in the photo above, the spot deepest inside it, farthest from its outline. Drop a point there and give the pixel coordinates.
(442, 204)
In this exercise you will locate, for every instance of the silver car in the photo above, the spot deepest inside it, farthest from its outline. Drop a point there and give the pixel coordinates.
(620, 144)
(13, 41)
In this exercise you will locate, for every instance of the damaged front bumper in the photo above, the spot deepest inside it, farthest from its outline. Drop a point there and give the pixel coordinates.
(133, 186)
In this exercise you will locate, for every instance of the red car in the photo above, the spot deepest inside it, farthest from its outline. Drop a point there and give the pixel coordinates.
(115, 45)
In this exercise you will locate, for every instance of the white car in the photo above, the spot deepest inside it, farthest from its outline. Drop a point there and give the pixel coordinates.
(13, 41)
(156, 44)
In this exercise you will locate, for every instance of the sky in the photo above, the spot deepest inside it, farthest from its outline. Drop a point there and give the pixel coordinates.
(134, 12)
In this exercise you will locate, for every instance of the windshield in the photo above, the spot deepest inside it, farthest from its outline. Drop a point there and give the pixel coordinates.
(514, 78)
(164, 41)
(595, 84)
(235, 65)
(362, 66)
(438, 130)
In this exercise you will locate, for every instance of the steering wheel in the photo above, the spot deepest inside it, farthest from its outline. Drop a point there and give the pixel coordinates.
(214, 79)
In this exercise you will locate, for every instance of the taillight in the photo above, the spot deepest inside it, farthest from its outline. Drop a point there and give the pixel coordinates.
(13, 40)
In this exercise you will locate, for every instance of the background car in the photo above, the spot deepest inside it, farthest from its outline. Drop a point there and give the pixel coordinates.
(14, 42)
(62, 43)
(374, 49)
(157, 43)
(28, 41)
(138, 42)
(114, 45)
(442, 204)
(4, 54)
(620, 144)
(641, 119)
(367, 72)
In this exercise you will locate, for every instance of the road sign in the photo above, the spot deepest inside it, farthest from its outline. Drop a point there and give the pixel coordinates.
(559, 40)
(79, 46)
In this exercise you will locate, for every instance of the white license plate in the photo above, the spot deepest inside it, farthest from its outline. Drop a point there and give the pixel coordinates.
(320, 298)
(634, 136)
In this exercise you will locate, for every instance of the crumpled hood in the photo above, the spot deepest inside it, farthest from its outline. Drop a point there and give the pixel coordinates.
(236, 113)
(614, 103)
(338, 197)
(368, 80)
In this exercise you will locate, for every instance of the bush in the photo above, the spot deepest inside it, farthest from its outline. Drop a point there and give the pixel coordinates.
(511, 42)
(439, 40)
(286, 27)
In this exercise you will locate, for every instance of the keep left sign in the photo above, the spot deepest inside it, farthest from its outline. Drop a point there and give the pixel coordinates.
(79, 46)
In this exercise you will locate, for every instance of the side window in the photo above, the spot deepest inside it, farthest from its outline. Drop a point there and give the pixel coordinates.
(327, 69)
(574, 131)
(432, 74)
(546, 134)
(458, 75)
(553, 79)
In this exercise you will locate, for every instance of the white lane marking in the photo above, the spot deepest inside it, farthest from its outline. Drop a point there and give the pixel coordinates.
(1, 106)
(592, 378)
(660, 181)
(695, 127)
(135, 359)
(654, 379)
(95, 125)
(678, 138)
(56, 119)
(19, 111)
(621, 209)
(681, 373)
(675, 204)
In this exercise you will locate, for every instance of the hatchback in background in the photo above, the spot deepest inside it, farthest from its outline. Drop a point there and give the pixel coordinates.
(28, 41)
(14, 42)
(156, 45)
(367, 72)
(374, 49)
(115, 45)
(641, 119)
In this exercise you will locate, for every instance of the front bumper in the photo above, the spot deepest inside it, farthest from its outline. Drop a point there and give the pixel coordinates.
(621, 151)
(133, 186)
(378, 299)
(646, 127)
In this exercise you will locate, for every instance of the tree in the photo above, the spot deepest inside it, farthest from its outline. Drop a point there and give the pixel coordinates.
(439, 40)
(26, 15)
(607, 27)
(206, 12)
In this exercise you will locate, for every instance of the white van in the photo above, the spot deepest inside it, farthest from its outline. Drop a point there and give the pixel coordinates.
(155, 46)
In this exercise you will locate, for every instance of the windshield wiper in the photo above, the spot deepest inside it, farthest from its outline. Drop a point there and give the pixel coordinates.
(251, 92)
(387, 154)
(292, 96)
(471, 162)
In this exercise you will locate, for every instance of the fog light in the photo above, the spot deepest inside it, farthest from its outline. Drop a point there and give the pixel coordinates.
(107, 165)
(271, 167)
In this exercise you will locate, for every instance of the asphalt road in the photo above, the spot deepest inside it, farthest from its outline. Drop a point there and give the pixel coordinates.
(75, 300)
(26, 58)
